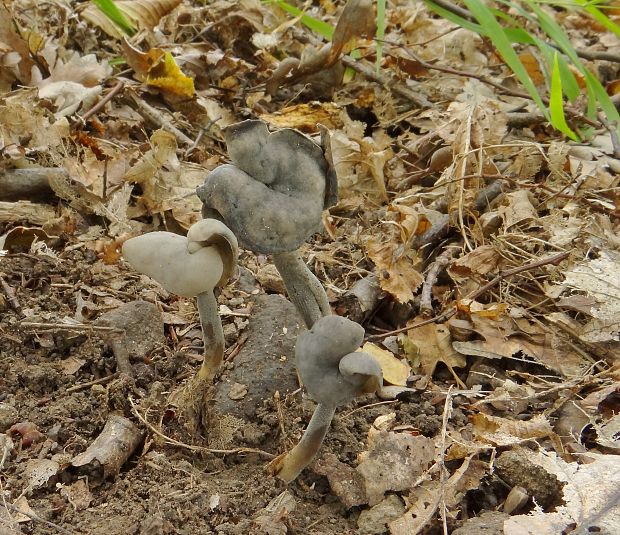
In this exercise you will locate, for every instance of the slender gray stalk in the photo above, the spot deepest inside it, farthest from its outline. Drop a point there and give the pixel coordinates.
(293, 462)
(304, 289)
(212, 335)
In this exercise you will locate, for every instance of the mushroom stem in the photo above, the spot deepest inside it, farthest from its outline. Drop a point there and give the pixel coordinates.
(212, 335)
(289, 465)
(304, 289)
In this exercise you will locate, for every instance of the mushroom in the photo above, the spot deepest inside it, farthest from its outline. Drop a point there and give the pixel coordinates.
(333, 373)
(191, 266)
(272, 197)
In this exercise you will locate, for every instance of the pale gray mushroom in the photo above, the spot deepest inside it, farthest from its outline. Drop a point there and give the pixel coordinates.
(272, 197)
(333, 373)
(191, 266)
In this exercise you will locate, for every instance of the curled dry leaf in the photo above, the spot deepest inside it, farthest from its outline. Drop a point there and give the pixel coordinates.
(590, 498)
(356, 20)
(505, 431)
(145, 14)
(28, 431)
(157, 68)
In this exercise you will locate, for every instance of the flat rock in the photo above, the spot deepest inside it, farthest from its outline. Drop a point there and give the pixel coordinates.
(143, 325)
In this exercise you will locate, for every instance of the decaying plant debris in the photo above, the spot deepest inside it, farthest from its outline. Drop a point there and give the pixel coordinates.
(478, 248)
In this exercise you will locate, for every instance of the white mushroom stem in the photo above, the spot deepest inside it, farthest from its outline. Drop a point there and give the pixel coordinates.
(289, 465)
(212, 335)
(304, 289)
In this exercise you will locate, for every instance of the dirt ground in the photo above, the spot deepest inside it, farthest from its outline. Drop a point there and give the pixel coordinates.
(477, 245)
(163, 488)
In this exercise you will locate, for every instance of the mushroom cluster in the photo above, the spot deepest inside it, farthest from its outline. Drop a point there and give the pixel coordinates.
(272, 197)
(333, 373)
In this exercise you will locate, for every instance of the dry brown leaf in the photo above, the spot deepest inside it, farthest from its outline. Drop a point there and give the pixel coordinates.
(598, 279)
(481, 261)
(532, 66)
(425, 498)
(429, 344)
(504, 337)
(306, 117)
(506, 431)
(393, 462)
(518, 209)
(397, 274)
(12, 43)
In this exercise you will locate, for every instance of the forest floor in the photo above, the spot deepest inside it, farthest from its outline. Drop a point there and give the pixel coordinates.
(479, 249)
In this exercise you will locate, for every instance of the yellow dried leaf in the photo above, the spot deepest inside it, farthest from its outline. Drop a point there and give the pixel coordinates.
(157, 68)
(395, 371)
(165, 74)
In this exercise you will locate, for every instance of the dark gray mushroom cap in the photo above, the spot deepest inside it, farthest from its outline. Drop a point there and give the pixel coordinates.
(331, 369)
(274, 193)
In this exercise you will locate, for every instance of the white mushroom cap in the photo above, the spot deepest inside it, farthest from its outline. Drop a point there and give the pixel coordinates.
(186, 267)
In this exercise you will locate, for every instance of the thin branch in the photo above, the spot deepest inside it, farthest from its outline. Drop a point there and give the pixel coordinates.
(69, 327)
(37, 518)
(10, 295)
(109, 95)
(180, 444)
(550, 260)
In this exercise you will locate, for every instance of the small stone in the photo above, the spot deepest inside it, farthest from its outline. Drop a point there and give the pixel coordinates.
(8, 416)
(270, 279)
(489, 523)
(237, 391)
(374, 521)
(516, 469)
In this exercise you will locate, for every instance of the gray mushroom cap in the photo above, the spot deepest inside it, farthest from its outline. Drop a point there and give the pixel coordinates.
(186, 266)
(274, 193)
(331, 369)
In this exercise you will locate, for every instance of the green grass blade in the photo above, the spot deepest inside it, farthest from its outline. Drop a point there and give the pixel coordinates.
(501, 41)
(110, 10)
(316, 25)
(599, 16)
(453, 17)
(380, 31)
(556, 102)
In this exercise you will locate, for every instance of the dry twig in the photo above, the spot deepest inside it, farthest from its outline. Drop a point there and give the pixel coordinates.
(550, 260)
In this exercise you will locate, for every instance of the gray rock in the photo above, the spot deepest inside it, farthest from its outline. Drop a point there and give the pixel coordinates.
(489, 523)
(516, 469)
(374, 521)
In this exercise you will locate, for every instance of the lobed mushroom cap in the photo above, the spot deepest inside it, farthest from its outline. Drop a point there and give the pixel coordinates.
(274, 193)
(186, 266)
(331, 369)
